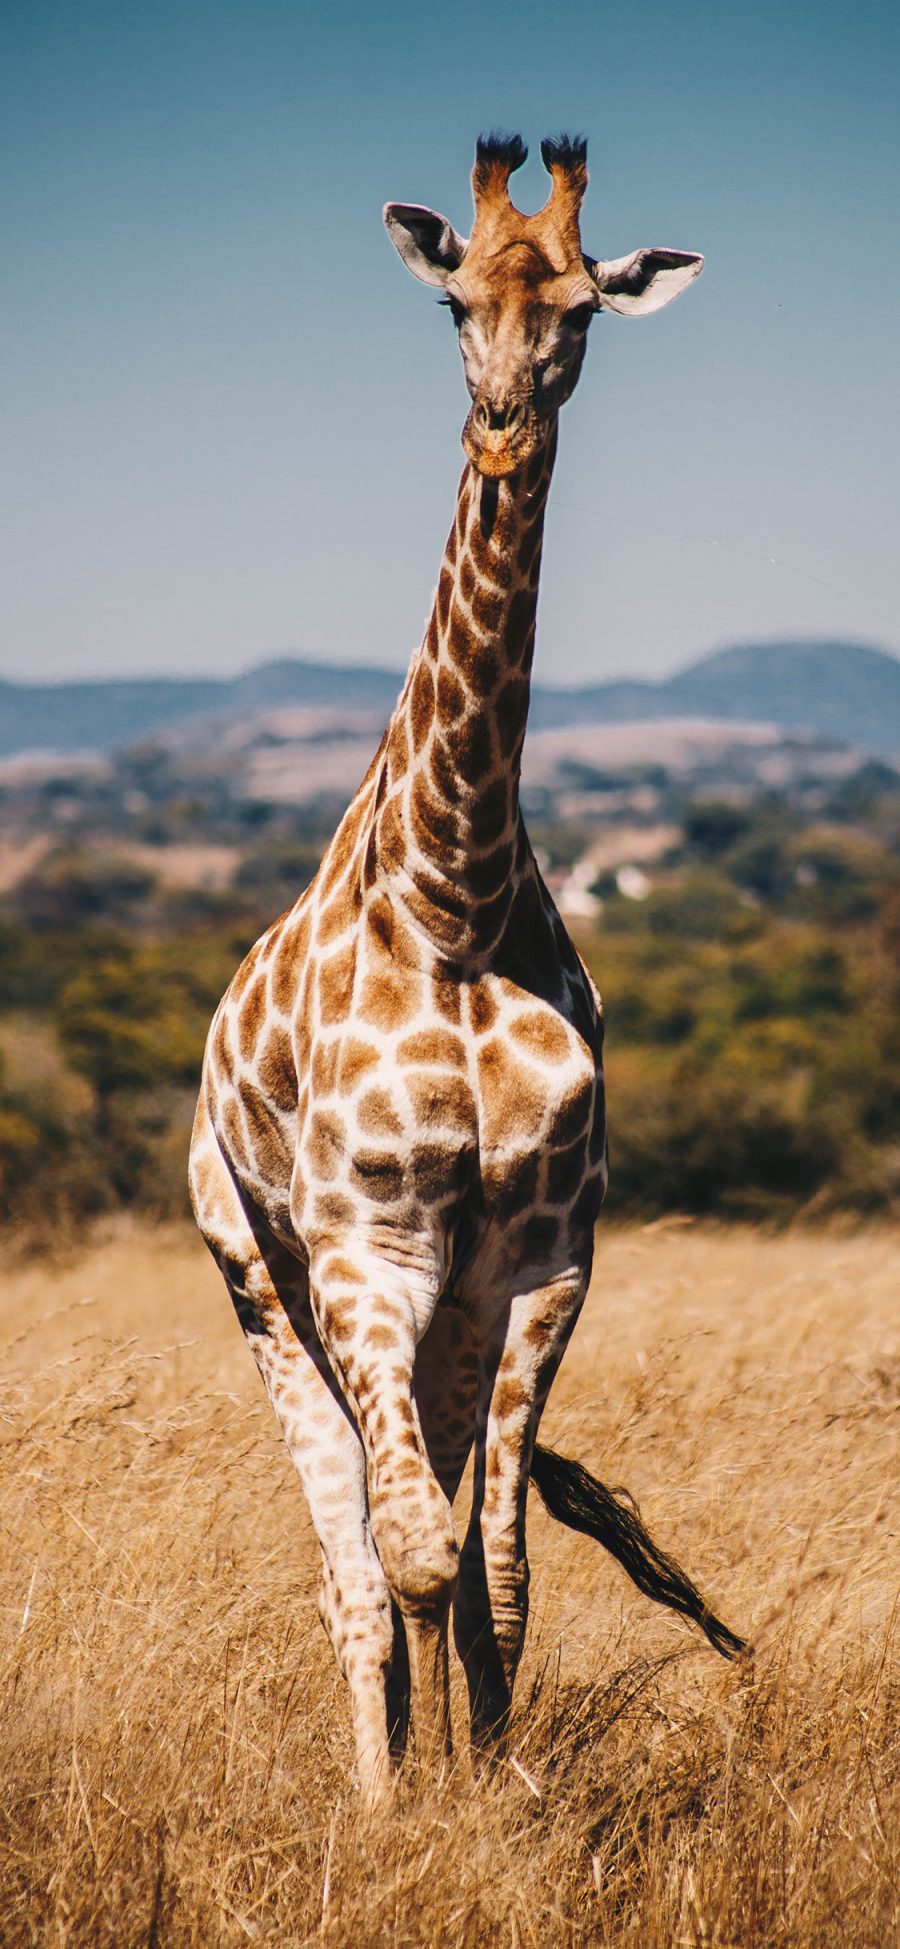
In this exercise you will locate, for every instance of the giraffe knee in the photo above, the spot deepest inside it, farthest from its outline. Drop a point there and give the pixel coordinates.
(426, 1577)
(421, 1563)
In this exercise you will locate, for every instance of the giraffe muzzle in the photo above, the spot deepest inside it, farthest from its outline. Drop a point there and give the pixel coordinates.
(498, 439)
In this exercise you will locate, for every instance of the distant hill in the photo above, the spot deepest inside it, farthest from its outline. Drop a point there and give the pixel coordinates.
(105, 714)
(830, 689)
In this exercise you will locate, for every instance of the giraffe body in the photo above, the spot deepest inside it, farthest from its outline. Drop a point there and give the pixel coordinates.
(399, 1151)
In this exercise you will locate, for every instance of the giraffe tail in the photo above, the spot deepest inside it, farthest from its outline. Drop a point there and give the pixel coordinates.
(577, 1499)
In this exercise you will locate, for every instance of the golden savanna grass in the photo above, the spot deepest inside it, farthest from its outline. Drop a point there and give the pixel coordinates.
(176, 1763)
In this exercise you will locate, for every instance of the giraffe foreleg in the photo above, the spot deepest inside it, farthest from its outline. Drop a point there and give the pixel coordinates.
(370, 1313)
(518, 1364)
(354, 1599)
(270, 1291)
(324, 1447)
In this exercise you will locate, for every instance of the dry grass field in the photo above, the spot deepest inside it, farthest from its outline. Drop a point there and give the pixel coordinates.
(175, 1763)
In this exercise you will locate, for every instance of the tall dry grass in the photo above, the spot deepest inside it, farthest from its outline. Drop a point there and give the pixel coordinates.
(175, 1762)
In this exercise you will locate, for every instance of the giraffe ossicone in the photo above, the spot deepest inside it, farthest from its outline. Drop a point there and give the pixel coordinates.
(399, 1151)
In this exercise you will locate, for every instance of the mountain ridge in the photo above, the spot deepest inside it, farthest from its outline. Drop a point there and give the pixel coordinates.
(827, 687)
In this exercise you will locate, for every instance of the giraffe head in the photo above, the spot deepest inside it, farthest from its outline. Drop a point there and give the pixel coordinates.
(522, 294)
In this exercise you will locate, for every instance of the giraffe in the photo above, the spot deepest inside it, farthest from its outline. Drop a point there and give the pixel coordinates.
(399, 1152)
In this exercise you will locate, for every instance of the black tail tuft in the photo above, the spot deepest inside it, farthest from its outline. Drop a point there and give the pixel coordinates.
(576, 1498)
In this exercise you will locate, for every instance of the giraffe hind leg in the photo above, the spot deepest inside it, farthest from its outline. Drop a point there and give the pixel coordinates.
(518, 1364)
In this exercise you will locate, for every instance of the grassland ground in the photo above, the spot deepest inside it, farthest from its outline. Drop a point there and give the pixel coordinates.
(175, 1761)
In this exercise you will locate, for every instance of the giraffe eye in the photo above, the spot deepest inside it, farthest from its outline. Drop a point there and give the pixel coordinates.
(579, 318)
(457, 311)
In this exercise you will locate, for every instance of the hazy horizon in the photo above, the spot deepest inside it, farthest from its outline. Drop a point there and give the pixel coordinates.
(542, 680)
(233, 419)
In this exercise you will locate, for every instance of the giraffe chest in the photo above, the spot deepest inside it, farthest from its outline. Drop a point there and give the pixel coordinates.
(428, 1112)
(423, 1108)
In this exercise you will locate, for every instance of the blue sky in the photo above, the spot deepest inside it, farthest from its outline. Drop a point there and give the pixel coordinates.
(232, 419)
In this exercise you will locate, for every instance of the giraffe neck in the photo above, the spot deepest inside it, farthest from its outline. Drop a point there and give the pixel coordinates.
(448, 838)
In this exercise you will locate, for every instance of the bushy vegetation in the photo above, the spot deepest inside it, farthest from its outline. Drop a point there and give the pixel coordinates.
(754, 1062)
(752, 997)
(126, 1017)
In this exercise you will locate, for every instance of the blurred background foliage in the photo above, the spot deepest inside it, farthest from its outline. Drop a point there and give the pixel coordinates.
(750, 974)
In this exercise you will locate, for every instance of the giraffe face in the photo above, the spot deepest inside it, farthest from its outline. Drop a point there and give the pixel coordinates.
(523, 323)
(522, 295)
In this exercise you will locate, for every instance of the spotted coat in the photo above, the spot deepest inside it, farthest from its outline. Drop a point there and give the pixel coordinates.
(399, 1151)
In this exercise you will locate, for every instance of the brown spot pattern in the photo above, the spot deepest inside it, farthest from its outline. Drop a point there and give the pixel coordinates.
(421, 705)
(512, 1097)
(354, 1059)
(325, 1143)
(437, 1170)
(487, 607)
(344, 1271)
(271, 1155)
(376, 1115)
(446, 993)
(382, 1339)
(388, 1000)
(490, 814)
(469, 749)
(435, 825)
(338, 915)
(433, 1046)
(542, 1033)
(379, 1174)
(482, 1008)
(325, 1067)
(336, 985)
(288, 964)
(245, 973)
(439, 1100)
(570, 1117)
(539, 1236)
(462, 643)
(509, 1397)
(485, 672)
(444, 592)
(509, 1189)
(233, 1125)
(486, 876)
(276, 1070)
(333, 1208)
(451, 697)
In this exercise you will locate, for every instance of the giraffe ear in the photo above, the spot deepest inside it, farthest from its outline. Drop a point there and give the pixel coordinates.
(428, 244)
(643, 282)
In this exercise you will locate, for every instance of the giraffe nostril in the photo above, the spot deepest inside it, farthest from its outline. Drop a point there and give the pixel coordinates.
(497, 419)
